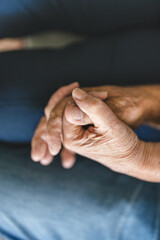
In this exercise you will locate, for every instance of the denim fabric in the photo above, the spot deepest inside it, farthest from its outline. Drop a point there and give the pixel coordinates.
(88, 202)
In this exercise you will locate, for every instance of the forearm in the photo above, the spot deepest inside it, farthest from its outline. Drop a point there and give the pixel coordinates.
(150, 165)
(153, 116)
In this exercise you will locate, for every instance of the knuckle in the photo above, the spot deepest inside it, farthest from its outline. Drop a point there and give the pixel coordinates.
(46, 111)
(54, 118)
(49, 136)
(52, 133)
(99, 103)
(49, 128)
(96, 104)
(50, 139)
(55, 122)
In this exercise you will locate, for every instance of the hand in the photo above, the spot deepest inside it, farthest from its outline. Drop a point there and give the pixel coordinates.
(40, 151)
(54, 130)
(130, 104)
(108, 140)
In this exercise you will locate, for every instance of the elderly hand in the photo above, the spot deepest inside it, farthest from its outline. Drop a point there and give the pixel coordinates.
(40, 150)
(106, 140)
(130, 104)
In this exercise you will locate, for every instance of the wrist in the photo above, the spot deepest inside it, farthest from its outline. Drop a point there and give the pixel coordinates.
(136, 166)
(152, 103)
(149, 161)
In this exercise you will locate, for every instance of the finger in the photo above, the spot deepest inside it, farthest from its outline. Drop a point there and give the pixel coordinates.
(75, 116)
(68, 158)
(47, 159)
(99, 113)
(39, 148)
(58, 96)
(70, 132)
(40, 130)
(54, 128)
(54, 141)
(38, 144)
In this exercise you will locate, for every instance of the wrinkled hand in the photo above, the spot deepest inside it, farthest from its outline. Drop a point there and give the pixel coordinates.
(44, 146)
(40, 149)
(128, 103)
(106, 140)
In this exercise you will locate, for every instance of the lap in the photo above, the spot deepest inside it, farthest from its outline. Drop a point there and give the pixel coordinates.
(88, 201)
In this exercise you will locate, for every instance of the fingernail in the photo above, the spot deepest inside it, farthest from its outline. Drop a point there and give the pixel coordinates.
(79, 94)
(77, 114)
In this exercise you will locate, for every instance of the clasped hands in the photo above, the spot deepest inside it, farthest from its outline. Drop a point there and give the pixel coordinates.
(95, 123)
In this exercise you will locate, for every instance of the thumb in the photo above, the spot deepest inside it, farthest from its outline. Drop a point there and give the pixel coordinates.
(75, 116)
(99, 113)
(71, 132)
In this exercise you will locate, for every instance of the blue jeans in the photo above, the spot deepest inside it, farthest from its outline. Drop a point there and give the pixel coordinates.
(88, 201)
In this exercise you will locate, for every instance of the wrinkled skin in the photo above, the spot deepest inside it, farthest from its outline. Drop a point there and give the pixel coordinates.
(43, 146)
(130, 104)
(40, 148)
(106, 140)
